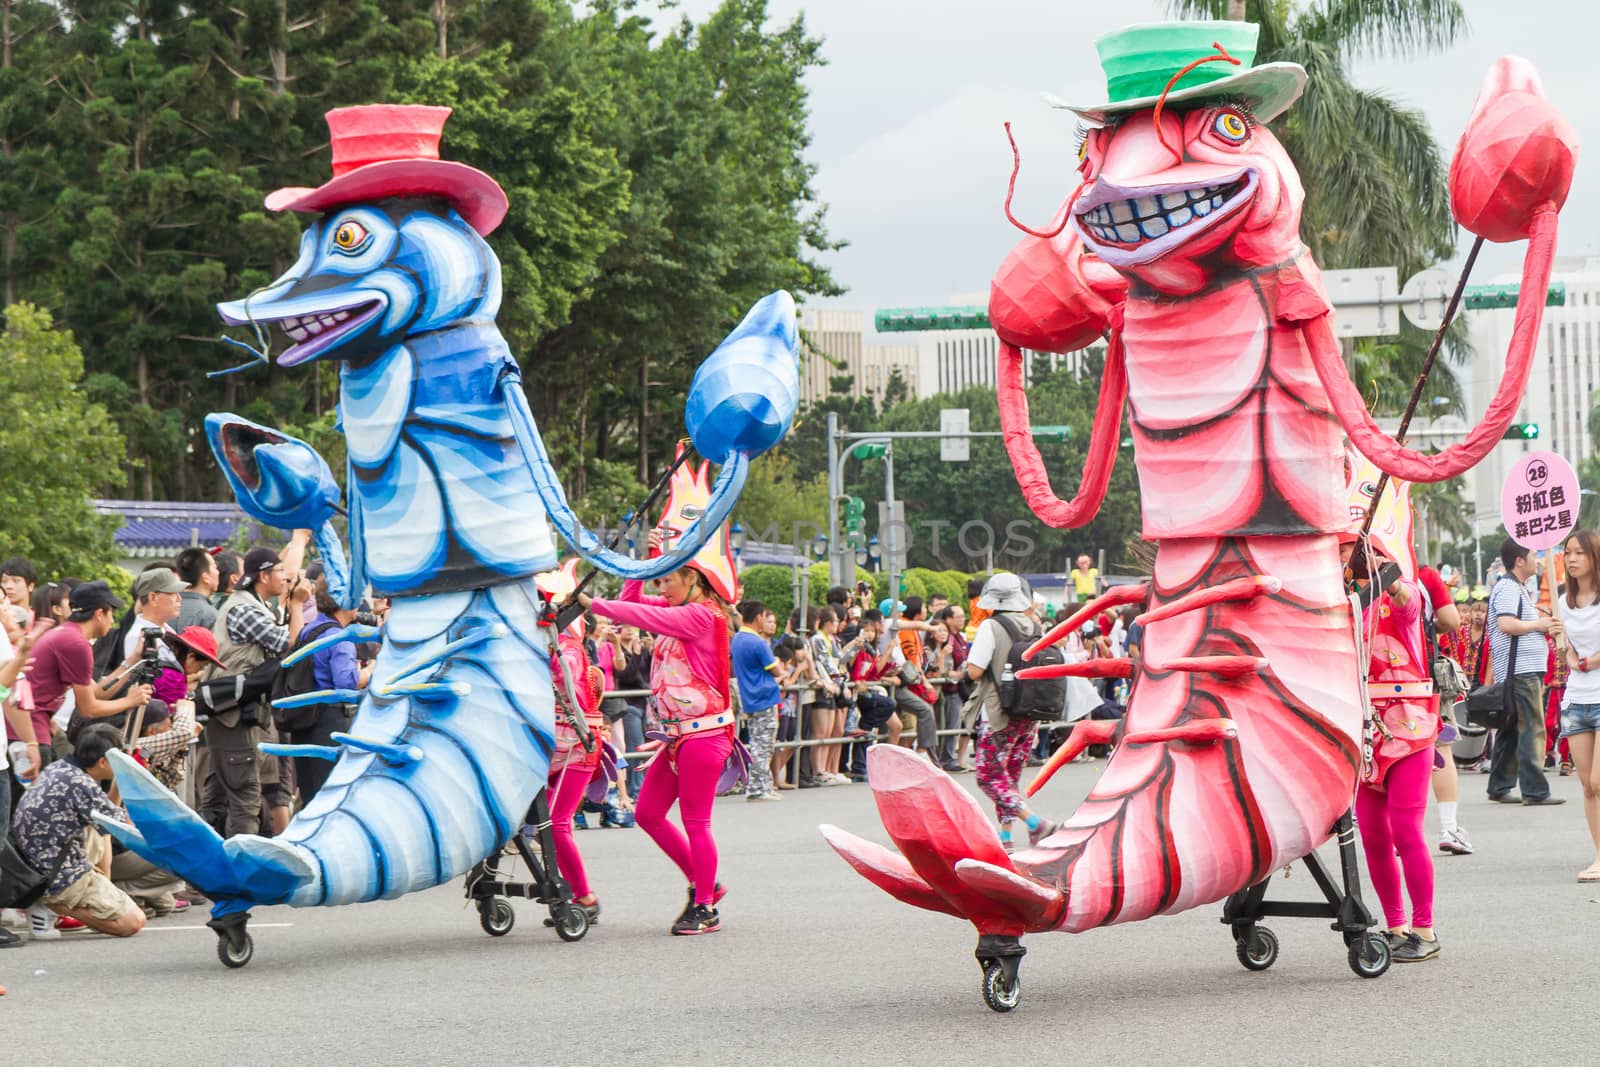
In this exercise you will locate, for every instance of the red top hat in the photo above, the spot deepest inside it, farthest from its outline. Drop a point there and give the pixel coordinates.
(385, 150)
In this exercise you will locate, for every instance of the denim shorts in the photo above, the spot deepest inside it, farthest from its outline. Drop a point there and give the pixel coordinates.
(1580, 719)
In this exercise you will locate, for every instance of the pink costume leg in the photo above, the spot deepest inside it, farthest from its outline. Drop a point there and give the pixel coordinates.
(700, 763)
(1372, 817)
(1407, 787)
(656, 797)
(566, 795)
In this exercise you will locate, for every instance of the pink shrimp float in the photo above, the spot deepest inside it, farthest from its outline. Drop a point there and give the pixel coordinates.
(1242, 743)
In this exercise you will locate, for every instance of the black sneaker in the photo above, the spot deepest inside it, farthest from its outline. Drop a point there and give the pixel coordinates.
(8, 939)
(1395, 939)
(1414, 950)
(699, 919)
(688, 906)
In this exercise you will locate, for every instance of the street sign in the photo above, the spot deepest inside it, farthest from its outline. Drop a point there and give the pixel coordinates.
(955, 422)
(1539, 502)
(1364, 300)
(1425, 296)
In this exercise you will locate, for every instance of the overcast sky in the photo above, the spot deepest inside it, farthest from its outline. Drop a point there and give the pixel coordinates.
(912, 158)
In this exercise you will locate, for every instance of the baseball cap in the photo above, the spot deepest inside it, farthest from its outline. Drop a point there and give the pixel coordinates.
(196, 639)
(89, 598)
(256, 562)
(157, 580)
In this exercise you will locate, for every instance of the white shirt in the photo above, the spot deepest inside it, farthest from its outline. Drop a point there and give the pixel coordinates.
(131, 643)
(1583, 633)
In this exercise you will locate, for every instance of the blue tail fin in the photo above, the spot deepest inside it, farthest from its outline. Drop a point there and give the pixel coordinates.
(167, 833)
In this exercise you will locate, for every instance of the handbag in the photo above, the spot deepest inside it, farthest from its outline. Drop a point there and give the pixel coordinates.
(22, 882)
(1490, 706)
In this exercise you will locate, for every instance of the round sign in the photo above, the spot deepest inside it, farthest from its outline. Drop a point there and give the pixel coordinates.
(1539, 503)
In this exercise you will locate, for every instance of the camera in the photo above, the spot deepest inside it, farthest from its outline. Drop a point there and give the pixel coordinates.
(863, 587)
(366, 618)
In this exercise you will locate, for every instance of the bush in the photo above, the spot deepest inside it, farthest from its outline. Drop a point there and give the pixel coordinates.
(771, 584)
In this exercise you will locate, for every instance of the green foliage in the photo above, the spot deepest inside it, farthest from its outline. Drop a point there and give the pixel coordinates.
(960, 512)
(938, 583)
(58, 449)
(778, 505)
(771, 584)
(657, 180)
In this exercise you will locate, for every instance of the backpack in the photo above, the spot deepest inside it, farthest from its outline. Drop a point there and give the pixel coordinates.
(296, 680)
(1037, 699)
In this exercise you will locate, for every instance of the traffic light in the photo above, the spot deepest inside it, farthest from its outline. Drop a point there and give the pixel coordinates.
(1521, 431)
(855, 521)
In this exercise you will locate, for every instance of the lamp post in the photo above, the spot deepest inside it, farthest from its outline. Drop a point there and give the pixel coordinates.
(736, 540)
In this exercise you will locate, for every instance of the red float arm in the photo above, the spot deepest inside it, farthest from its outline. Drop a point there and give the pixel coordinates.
(1412, 466)
(1104, 438)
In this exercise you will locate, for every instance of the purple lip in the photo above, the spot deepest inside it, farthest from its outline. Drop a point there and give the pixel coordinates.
(316, 332)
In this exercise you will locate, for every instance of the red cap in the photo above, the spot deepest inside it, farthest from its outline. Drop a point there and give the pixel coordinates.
(388, 150)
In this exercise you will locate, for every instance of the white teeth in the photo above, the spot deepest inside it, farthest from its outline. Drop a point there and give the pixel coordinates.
(327, 320)
(1172, 200)
(1122, 211)
(1202, 208)
(1216, 201)
(340, 316)
(1153, 227)
(296, 333)
(1179, 217)
(1127, 233)
(1147, 206)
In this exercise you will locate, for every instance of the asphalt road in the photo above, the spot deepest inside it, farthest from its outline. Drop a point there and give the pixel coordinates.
(813, 965)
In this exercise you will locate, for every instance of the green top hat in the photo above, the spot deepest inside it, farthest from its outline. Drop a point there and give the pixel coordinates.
(1140, 60)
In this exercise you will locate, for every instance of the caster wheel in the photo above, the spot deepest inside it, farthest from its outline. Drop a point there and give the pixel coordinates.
(232, 956)
(996, 993)
(1369, 956)
(572, 923)
(496, 917)
(1258, 949)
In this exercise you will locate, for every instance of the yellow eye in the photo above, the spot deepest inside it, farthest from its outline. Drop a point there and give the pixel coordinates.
(349, 236)
(1231, 127)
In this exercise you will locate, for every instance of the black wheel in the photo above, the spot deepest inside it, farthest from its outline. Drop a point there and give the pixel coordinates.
(1258, 949)
(235, 957)
(1369, 956)
(496, 916)
(996, 993)
(572, 923)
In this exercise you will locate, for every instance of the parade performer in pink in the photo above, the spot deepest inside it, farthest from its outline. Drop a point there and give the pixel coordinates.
(584, 764)
(689, 683)
(1393, 795)
(1241, 744)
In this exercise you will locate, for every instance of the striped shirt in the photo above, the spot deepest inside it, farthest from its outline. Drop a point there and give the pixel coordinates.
(1510, 598)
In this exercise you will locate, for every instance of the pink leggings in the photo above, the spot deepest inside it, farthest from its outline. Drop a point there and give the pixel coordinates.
(566, 791)
(694, 786)
(1391, 820)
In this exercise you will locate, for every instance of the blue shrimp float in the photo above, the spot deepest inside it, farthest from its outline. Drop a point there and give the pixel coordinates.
(446, 483)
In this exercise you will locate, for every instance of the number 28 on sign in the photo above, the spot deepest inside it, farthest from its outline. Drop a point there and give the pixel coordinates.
(1539, 502)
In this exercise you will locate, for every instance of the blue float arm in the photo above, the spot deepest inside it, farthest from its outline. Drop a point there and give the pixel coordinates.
(724, 494)
(336, 568)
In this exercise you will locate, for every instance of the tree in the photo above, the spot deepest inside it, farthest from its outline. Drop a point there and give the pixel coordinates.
(777, 504)
(58, 450)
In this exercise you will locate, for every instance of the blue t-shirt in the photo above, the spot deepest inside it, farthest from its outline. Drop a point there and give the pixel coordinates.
(749, 655)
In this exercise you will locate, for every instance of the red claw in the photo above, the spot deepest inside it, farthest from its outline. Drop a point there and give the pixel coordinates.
(1515, 158)
(1051, 295)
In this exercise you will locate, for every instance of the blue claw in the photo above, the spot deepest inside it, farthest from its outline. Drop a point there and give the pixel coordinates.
(172, 836)
(397, 755)
(320, 696)
(744, 396)
(278, 480)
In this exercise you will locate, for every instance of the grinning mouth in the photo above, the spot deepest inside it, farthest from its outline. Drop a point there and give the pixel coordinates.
(239, 442)
(303, 329)
(1147, 218)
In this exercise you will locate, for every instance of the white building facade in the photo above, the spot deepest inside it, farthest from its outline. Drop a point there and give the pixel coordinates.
(1561, 384)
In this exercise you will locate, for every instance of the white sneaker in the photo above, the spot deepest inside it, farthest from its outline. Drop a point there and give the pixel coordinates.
(754, 797)
(42, 923)
(13, 918)
(1455, 842)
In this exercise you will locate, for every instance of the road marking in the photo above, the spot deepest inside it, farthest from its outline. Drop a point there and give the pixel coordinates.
(253, 926)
